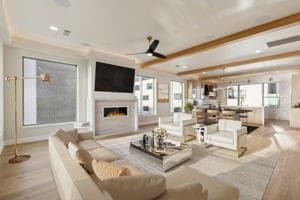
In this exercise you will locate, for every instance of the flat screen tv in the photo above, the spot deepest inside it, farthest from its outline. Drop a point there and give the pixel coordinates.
(113, 78)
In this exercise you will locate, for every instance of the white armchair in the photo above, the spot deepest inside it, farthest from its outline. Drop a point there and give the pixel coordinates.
(180, 124)
(228, 134)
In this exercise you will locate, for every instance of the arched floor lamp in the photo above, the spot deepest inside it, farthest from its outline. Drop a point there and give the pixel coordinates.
(20, 158)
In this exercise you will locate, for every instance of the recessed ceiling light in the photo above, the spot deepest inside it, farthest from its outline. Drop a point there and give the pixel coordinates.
(184, 67)
(53, 28)
(258, 51)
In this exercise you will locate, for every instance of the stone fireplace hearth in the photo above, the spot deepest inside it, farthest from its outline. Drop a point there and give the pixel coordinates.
(114, 116)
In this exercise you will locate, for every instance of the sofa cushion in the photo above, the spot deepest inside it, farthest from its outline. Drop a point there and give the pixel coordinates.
(81, 156)
(217, 190)
(190, 191)
(89, 144)
(140, 187)
(229, 125)
(104, 170)
(66, 136)
(103, 154)
(221, 136)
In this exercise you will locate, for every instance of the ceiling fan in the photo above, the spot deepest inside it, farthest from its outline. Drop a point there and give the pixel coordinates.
(151, 50)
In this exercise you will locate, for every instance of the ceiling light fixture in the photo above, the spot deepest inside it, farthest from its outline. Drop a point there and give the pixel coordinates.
(203, 72)
(184, 67)
(53, 28)
(257, 51)
(149, 54)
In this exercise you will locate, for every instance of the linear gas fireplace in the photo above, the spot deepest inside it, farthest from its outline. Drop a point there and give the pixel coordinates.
(114, 112)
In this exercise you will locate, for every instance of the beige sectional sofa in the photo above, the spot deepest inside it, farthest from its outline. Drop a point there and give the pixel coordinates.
(74, 183)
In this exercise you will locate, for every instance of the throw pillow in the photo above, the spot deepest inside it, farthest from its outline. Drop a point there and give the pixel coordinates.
(140, 187)
(190, 191)
(81, 156)
(104, 169)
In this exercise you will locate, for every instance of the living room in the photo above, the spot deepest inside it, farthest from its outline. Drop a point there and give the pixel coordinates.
(149, 100)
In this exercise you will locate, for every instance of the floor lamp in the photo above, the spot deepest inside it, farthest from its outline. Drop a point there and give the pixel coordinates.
(20, 158)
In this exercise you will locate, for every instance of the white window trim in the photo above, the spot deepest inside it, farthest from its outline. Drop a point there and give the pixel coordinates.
(77, 94)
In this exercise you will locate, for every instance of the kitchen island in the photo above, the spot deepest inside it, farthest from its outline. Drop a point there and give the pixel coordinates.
(255, 115)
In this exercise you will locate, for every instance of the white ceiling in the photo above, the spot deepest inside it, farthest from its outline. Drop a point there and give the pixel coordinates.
(120, 27)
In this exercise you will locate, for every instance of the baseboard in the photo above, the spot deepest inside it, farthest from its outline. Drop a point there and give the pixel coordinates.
(26, 140)
(1, 147)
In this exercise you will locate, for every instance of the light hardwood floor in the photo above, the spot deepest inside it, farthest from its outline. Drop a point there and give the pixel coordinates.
(33, 179)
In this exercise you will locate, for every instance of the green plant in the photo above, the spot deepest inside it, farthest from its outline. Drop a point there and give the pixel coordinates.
(188, 108)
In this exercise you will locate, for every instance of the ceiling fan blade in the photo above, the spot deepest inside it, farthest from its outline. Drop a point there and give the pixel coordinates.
(138, 53)
(153, 46)
(63, 3)
(159, 55)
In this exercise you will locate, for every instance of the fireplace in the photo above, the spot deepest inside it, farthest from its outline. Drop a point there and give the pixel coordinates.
(115, 112)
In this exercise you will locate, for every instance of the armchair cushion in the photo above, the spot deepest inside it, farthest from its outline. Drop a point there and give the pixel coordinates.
(229, 125)
(177, 117)
(221, 136)
(173, 127)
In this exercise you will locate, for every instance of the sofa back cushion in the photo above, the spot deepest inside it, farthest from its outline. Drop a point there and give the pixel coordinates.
(229, 125)
(179, 116)
(105, 170)
(139, 187)
(81, 156)
(190, 191)
(66, 136)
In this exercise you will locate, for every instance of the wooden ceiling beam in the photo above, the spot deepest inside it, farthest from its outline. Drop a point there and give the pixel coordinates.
(244, 62)
(227, 39)
(250, 72)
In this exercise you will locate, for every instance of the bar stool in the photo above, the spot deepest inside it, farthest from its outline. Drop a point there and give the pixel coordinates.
(243, 118)
(199, 113)
(228, 114)
(213, 115)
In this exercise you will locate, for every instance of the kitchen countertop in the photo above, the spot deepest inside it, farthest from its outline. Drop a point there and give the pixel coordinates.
(237, 110)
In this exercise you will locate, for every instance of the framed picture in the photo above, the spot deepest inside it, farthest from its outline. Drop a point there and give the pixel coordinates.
(162, 93)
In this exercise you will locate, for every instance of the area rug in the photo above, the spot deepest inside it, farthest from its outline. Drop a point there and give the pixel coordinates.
(249, 173)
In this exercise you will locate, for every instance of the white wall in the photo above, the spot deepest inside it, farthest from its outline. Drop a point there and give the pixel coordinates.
(1, 97)
(13, 67)
(162, 109)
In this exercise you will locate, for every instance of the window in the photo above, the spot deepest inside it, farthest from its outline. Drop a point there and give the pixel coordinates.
(250, 95)
(49, 102)
(271, 94)
(176, 96)
(136, 87)
(146, 108)
(232, 95)
(149, 86)
(145, 95)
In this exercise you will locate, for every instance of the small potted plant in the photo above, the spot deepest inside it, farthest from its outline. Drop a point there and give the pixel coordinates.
(188, 108)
